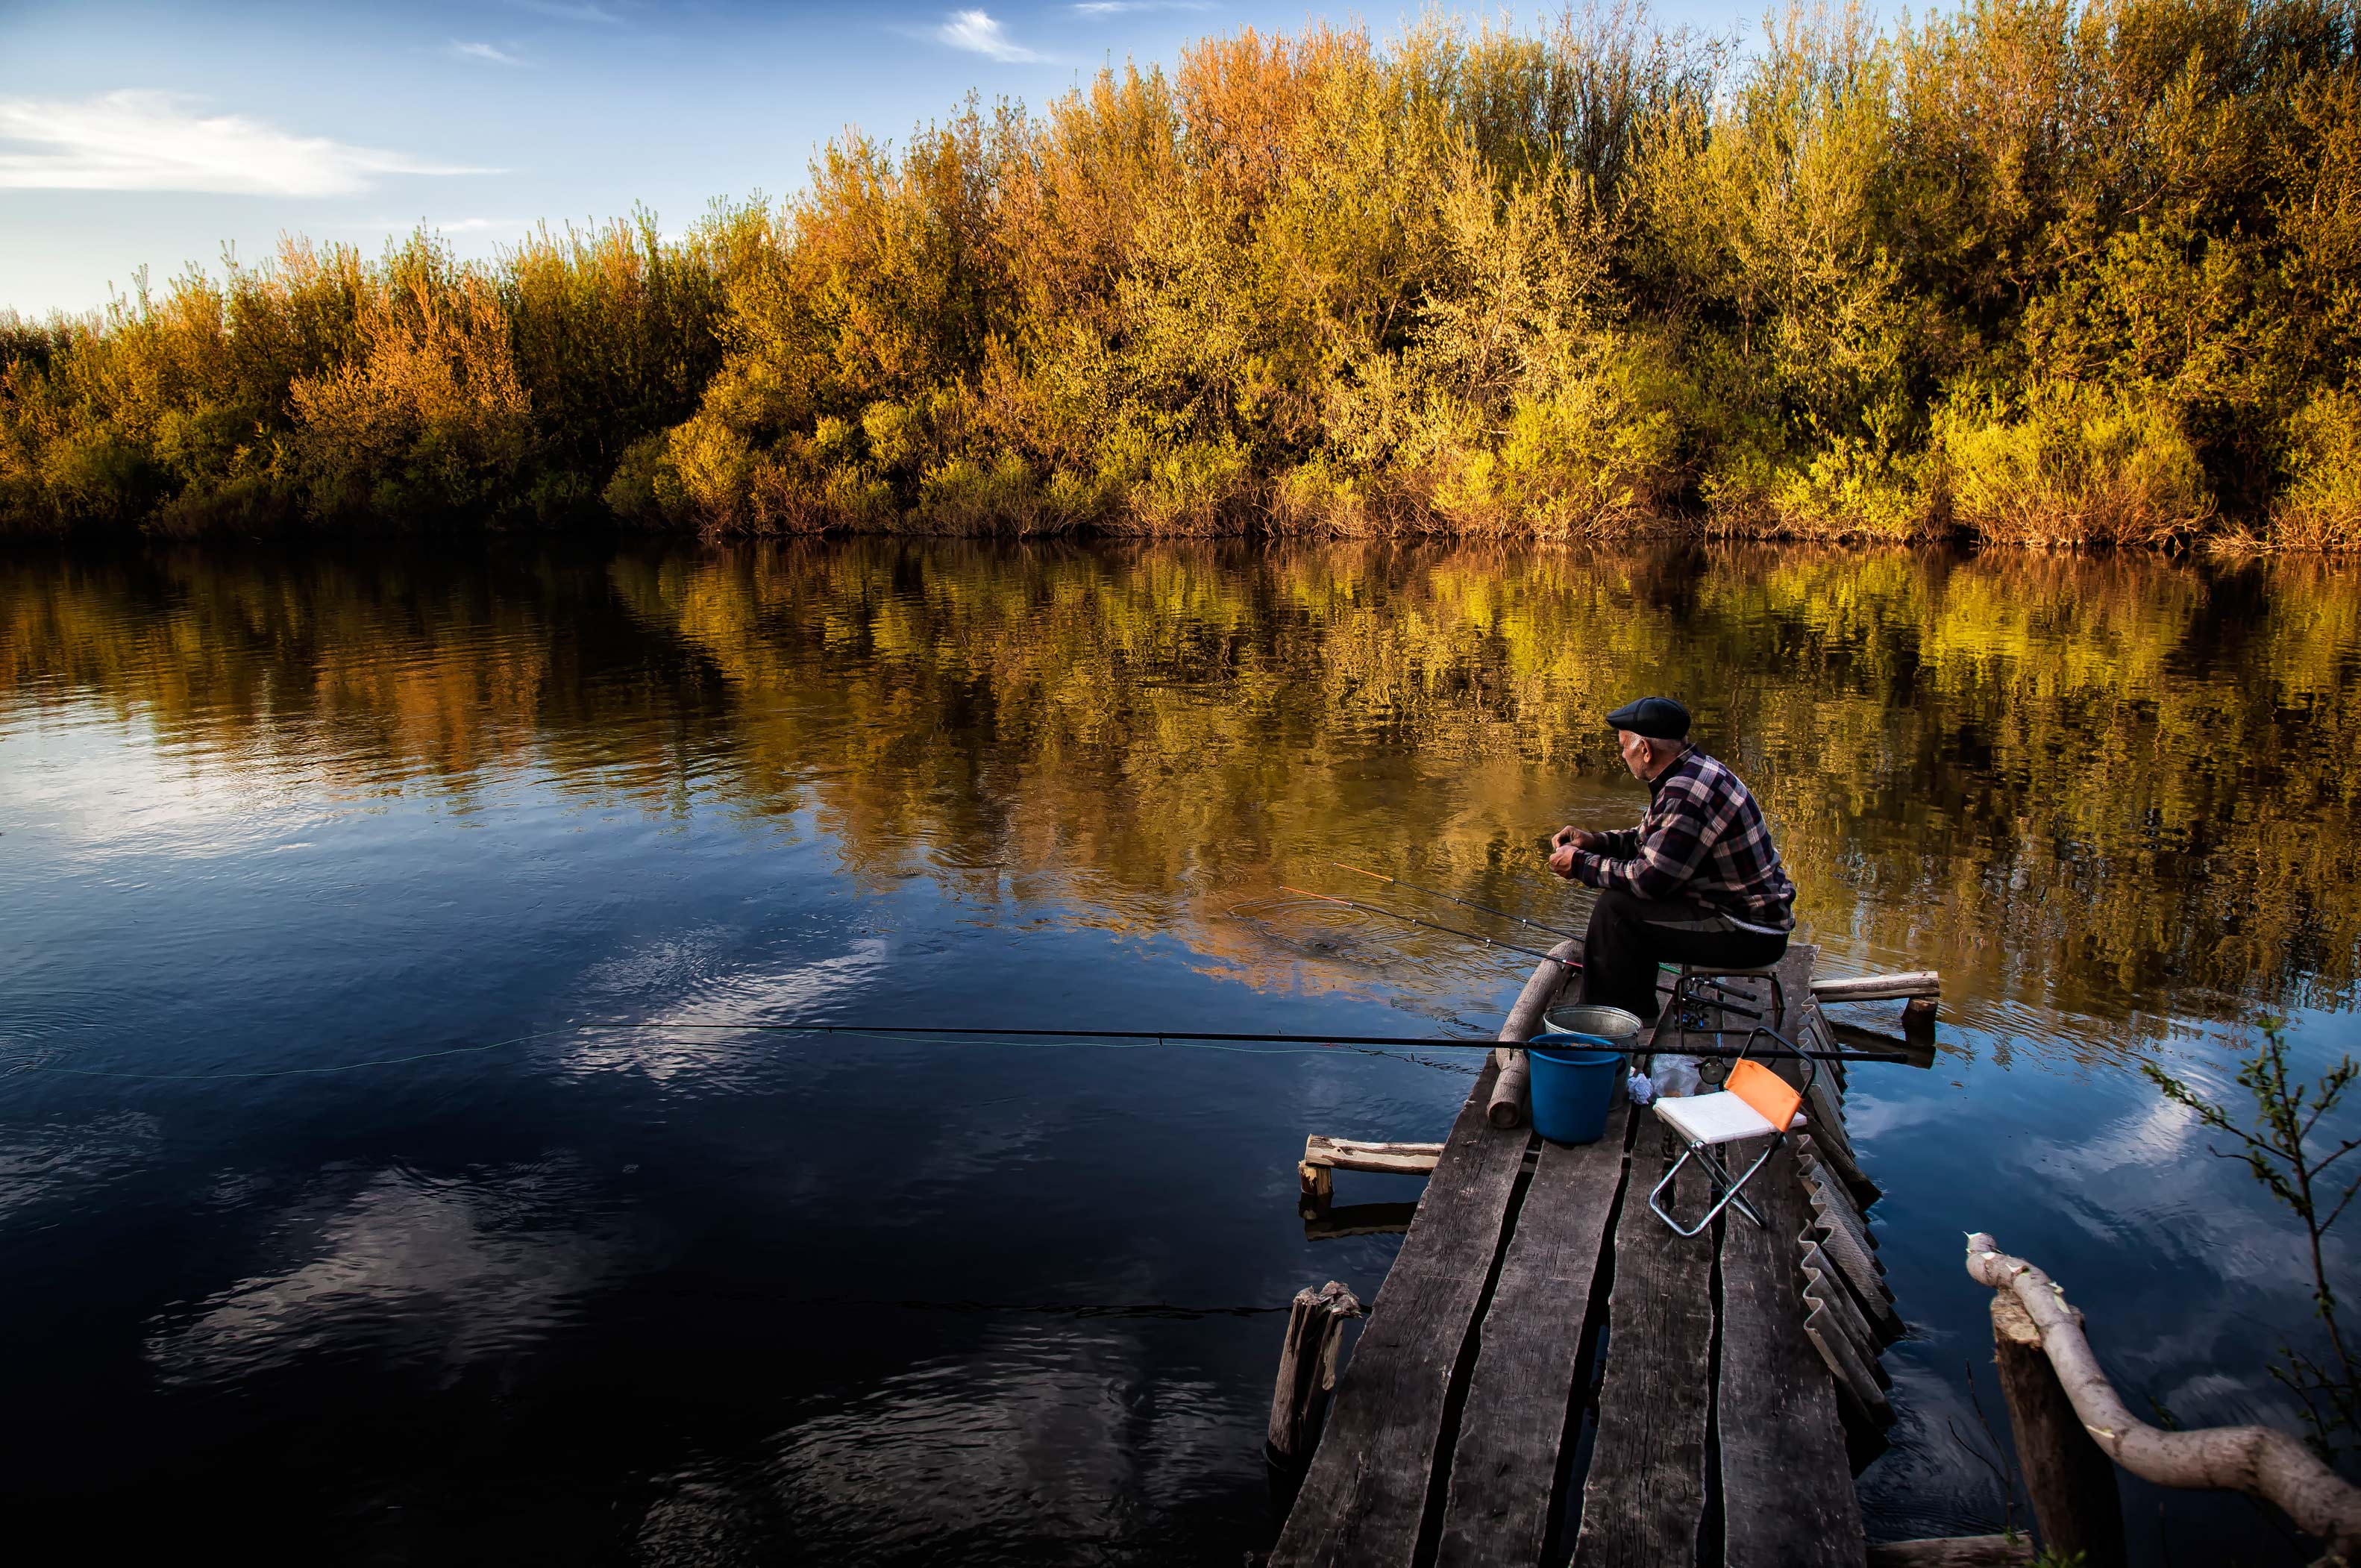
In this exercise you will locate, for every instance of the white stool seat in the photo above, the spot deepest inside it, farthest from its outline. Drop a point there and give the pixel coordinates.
(1720, 1118)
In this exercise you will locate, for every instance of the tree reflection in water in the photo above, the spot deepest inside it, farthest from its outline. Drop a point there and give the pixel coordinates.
(2116, 785)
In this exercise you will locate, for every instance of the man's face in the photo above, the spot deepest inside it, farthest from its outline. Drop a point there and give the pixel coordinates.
(1636, 752)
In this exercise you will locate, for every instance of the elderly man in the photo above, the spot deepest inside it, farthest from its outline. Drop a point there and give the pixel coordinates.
(1698, 882)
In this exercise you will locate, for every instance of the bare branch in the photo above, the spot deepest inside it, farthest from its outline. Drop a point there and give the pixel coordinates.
(2259, 1461)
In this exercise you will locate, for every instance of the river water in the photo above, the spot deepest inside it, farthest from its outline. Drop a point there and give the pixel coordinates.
(382, 1175)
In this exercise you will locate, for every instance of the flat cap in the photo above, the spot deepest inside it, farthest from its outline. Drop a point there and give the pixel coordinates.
(1657, 718)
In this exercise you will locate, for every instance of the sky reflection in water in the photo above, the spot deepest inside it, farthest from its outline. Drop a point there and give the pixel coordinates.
(701, 1294)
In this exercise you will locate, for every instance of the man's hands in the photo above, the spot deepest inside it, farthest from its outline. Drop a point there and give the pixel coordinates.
(1567, 843)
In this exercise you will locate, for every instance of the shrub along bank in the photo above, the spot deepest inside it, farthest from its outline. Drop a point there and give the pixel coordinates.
(2043, 273)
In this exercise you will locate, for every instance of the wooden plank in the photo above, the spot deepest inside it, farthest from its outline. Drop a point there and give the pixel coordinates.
(1505, 1466)
(1878, 987)
(1365, 1497)
(1786, 1482)
(1356, 1153)
(1645, 1493)
(1954, 1551)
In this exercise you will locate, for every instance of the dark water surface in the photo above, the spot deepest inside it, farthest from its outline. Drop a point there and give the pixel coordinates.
(329, 1232)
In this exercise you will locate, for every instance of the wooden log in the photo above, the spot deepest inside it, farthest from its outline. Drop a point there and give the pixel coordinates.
(1507, 1104)
(2256, 1460)
(1878, 987)
(1365, 1497)
(1317, 1186)
(1918, 1020)
(1307, 1370)
(1786, 1485)
(1645, 1492)
(1953, 1552)
(1505, 1466)
(2070, 1482)
(1359, 1154)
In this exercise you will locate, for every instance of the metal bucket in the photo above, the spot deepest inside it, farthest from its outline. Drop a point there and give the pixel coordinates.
(1611, 1028)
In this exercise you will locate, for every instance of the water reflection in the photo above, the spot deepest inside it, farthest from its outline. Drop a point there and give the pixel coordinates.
(389, 1264)
(278, 813)
(2116, 788)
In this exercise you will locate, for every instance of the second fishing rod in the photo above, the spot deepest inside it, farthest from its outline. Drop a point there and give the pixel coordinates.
(1477, 936)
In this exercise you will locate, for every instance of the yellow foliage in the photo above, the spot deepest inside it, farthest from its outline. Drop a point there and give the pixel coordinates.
(2077, 465)
(2055, 271)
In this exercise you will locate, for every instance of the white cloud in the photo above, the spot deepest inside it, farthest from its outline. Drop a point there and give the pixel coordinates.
(491, 54)
(133, 140)
(978, 33)
(1123, 8)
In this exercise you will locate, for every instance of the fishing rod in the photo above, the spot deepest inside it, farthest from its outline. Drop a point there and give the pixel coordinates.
(1453, 898)
(1477, 937)
(1232, 1037)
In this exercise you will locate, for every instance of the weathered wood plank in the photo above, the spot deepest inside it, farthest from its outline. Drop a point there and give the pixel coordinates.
(1357, 1154)
(1645, 1492)
(1365, 1497)
(1786, 1484)
(1878, 987)
(1523, 1387)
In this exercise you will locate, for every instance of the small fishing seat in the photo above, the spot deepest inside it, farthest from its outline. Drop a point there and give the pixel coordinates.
(1757, 1104)
(1698, 994)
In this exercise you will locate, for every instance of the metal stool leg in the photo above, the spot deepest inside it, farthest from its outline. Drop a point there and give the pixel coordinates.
(1726, 1189)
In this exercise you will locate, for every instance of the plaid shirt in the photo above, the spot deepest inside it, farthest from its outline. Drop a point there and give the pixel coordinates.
(1702, 840)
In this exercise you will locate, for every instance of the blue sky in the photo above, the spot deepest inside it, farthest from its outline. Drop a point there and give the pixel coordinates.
(159, 134)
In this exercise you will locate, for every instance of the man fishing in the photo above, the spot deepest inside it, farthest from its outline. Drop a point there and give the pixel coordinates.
(1698, 882)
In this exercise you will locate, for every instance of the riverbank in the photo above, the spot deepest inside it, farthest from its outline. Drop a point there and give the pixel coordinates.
(2024, 273)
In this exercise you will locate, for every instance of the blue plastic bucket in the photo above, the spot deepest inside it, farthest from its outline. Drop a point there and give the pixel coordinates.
(1572, 1083)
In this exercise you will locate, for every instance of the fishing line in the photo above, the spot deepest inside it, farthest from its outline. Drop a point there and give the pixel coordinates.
(1453, 898)
(1476, 936)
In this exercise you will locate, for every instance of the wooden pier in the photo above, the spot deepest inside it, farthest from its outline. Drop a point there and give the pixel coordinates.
(1550, 1372)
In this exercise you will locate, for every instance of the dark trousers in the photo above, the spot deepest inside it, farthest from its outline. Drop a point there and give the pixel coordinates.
(1629, 936)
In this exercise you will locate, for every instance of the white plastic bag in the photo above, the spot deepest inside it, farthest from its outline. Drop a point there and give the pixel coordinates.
(1676, 1077)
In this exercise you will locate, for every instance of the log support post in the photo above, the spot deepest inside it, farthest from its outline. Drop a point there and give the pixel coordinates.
(1918, 1020)
(1319, 1189)
(1307, 1371)
(2069, 1479)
